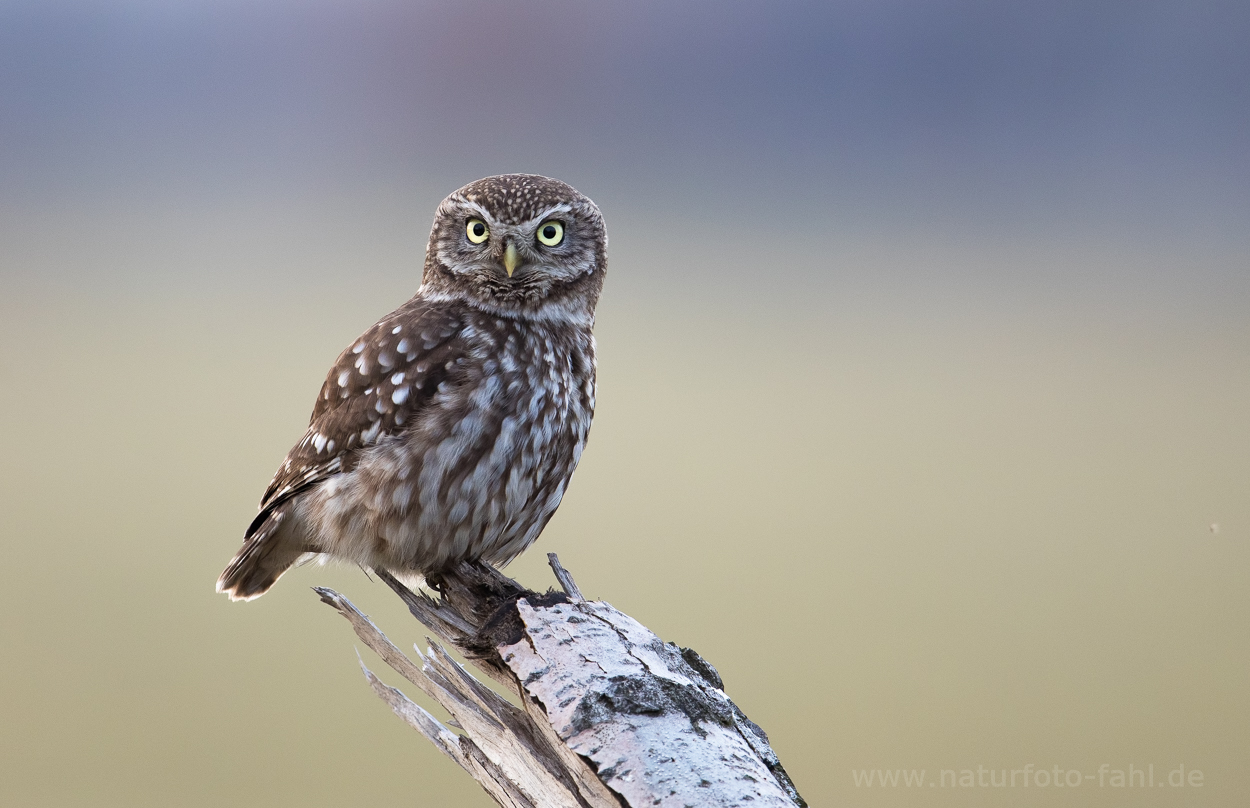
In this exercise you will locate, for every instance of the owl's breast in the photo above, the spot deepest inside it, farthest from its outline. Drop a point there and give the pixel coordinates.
(480, 471)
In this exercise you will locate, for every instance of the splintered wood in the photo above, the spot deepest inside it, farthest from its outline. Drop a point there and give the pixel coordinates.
(611, 715)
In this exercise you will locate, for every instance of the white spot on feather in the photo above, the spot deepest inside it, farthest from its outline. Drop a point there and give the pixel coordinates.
(402, 497)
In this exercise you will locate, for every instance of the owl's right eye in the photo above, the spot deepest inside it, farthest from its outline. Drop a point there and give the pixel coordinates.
(477, 231)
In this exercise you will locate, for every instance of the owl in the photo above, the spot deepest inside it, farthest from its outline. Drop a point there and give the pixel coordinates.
(449, 430)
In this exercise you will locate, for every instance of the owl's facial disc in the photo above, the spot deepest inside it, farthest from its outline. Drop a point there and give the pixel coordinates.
(527, 253)
(518, 244)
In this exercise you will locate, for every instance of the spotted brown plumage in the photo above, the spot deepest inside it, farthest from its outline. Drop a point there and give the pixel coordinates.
(448, 431)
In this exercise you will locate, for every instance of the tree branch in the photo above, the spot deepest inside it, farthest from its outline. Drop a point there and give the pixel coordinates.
(610, 714)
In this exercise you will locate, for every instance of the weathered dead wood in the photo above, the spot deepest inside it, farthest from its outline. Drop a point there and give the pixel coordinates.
(610, 714)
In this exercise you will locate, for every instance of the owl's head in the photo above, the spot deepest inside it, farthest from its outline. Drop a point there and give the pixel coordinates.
(518, 245)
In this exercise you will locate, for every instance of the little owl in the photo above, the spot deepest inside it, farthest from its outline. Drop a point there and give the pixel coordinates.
(449, 430)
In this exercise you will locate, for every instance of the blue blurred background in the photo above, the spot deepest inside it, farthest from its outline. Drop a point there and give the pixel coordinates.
(925, 365)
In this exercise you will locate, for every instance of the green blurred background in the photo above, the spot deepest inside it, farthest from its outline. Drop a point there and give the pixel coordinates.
(924, 375)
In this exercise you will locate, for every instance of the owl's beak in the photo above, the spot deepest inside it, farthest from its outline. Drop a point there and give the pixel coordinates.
(510, 259)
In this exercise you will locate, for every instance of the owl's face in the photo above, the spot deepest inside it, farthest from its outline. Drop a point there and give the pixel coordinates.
(518, 244)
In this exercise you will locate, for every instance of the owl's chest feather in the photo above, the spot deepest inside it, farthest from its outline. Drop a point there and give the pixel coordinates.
(522, 402)
(483, 467)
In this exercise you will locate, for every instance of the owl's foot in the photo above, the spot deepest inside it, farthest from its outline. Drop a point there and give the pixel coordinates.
(436, 581)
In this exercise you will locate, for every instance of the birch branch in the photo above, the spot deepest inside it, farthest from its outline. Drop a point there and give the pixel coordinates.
(609, 715)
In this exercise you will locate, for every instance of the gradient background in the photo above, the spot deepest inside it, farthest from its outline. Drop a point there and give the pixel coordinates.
(924, 363)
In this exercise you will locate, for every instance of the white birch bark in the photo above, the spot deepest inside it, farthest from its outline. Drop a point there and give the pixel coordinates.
(611, 715)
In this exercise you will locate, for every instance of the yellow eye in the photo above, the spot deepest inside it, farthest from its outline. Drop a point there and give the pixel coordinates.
(551, 233)
(477, 231)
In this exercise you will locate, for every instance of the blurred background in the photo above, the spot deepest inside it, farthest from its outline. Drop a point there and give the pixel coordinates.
(924, 375)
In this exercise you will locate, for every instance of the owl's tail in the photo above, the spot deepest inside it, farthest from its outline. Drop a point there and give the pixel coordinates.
(268, 551)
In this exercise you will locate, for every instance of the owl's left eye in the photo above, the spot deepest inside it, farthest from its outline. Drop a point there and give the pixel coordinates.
(551, 233)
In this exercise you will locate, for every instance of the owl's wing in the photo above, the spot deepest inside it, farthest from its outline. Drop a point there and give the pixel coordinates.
(375, 388)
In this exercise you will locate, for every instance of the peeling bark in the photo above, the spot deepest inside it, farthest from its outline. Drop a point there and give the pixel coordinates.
(611, 715)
